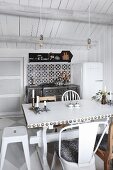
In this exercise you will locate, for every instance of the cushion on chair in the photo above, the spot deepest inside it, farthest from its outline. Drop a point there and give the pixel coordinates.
(69, 150)
(103, 144)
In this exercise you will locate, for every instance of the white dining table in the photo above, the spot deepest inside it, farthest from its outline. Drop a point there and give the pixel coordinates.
(59, 113)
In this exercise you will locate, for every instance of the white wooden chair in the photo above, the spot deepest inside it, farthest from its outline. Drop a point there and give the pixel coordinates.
(78, 153)
(70, 95)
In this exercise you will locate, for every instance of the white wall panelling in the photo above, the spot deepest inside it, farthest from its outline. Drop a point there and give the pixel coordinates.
(106, 56)
(11, 85)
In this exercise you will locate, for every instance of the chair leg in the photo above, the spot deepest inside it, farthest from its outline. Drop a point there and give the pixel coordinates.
(53, 161)
(107, 164)
(112, 162)
(26, 153)
(3, 153)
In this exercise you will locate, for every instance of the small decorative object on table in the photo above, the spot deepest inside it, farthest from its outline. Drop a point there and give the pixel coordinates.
(101, 96)
(45, 107)
(37, 101)
(104, 99)
(33, 99)
(77, 105)
(72, 105)
(37, 110)
(33, 103)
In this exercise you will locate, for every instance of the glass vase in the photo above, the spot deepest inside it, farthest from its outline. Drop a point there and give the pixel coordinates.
(104, 99)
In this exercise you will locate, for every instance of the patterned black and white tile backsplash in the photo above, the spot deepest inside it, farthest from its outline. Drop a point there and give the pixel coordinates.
(46, 73)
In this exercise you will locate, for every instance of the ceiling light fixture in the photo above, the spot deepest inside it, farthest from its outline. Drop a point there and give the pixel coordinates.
(41, 35)
(41, 40)
(89, 20)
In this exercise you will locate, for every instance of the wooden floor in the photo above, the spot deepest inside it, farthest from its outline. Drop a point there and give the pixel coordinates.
(15, 157)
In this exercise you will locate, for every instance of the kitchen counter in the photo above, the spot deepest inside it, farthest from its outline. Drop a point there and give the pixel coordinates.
(49, 90)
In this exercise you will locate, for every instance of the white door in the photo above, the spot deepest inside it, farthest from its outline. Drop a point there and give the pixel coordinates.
(11, 85)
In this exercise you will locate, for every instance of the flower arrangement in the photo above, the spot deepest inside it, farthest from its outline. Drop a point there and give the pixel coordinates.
(101, 96)
(101, 93)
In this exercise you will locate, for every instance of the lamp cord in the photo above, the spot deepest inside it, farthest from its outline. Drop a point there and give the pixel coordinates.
(89, 18)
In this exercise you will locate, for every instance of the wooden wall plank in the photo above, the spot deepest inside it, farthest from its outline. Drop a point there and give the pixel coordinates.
(55, 28)
(35, 3)
(110, 9)
(47, 4)
(48, 28)
(66, 30)
(85, 6)
(11, 1)
(79, 30)
(106, 6)
(94, 3)
(3, 45)
(99, 5)
(3, 21)
(70, 4)
(77, 5)
(55, 4)
(63, 4)
(12, 25)
(24, 2)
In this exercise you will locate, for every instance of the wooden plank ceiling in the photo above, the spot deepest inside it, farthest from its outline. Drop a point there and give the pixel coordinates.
(63, 23)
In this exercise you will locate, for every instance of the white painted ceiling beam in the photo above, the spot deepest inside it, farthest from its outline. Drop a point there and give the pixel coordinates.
(47, 13)
(46, 41)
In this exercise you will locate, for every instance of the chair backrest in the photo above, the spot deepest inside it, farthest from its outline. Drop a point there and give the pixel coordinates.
(87, 137)
(70, 95)
(110, 141)
(105, 150)
(47, 98)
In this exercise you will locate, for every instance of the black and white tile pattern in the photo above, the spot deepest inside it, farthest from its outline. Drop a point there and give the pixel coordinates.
(46, 73)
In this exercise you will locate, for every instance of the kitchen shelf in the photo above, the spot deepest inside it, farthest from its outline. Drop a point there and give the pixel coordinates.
(64, 56)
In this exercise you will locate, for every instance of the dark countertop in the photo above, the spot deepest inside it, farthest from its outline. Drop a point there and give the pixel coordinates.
(61, 86)
(34, 86)
(51, 85)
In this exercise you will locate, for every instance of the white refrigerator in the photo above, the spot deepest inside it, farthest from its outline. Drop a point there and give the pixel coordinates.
(89, 76)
